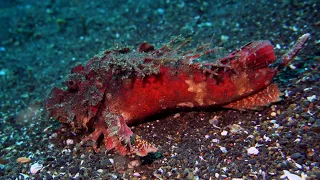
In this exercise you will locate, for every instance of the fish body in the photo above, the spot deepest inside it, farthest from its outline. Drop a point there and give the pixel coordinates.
(120, 87)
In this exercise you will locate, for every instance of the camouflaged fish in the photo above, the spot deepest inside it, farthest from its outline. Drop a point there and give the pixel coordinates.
(121, 87)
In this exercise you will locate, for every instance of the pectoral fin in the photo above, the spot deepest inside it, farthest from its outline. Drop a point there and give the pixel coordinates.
(256, 101)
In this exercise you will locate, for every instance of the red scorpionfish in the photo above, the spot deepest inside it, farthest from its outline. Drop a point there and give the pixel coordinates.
(119, 87)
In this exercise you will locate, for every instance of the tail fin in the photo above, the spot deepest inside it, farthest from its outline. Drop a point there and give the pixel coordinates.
(292, 53)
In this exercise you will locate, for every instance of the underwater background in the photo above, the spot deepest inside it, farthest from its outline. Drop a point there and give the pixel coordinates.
(40, 41)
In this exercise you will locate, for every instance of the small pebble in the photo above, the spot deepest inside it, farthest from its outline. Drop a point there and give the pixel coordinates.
(252, 151)
(53, 135)
(236, 129)
(176, 115)
(224, 38)
(293, 106)
(134, 163)
(69, 141)
(74, 169)
(298, 166)
(214, 120)
(216, 175)
(215, 140)
(21, 160)
(100, 171)
(223, 149)
(104, 163)
(224, 133)
(3, 72)
(295, 156)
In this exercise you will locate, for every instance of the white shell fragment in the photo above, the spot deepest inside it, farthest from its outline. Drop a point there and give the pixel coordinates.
(69, 141)
(136, 174)
(223, 149)
(224, 133)
(252, 151)
(312, 98)
(291, 176)
(35, 168)
(111, 160)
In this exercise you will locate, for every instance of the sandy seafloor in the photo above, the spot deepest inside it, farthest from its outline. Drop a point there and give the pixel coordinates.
(40, 41)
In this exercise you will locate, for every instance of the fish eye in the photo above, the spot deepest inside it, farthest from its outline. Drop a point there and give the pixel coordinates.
(72, 85)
